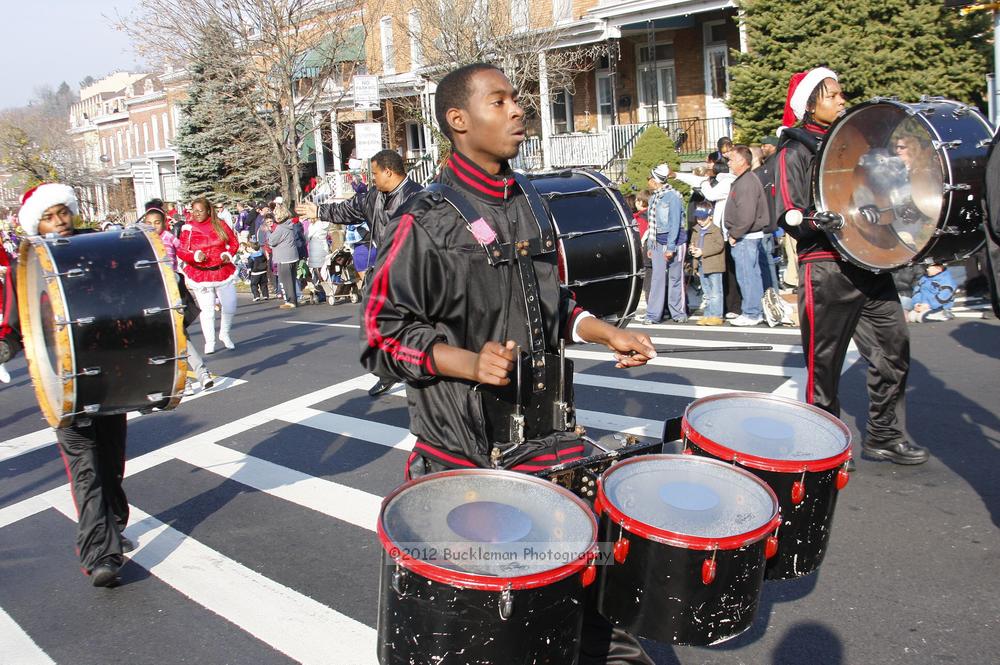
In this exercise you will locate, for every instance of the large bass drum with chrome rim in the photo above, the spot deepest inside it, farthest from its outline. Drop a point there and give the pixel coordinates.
(908, 180)
(600, 255)
(102, 324)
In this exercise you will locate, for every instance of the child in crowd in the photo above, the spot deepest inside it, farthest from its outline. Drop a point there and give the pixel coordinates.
(933, 295)
(642, 219)
(259, 266)
(708, 249)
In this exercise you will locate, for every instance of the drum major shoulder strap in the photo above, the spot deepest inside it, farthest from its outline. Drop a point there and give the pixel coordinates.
(494, 250)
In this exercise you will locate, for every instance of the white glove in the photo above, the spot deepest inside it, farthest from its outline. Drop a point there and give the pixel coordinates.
(226, 257)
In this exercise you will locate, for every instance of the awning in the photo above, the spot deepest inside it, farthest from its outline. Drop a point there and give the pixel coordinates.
(348, 46)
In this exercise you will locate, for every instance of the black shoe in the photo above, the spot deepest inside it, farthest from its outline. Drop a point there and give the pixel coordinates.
(851, 466)
(902, 452)
(127, 545)
(105, 574)
(382, 386)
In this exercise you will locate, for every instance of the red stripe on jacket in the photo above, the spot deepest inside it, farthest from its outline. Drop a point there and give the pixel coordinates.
(457, 160)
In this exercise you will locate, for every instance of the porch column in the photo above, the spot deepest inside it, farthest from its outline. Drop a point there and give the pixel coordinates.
(318, 145)
(742, 24)
(338, 160)
(546, 108)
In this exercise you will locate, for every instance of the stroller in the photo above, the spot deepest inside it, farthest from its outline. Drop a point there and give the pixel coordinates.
(344, 276)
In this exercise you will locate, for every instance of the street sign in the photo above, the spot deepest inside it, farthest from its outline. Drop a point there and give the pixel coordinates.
(367, 139)
(365, 88)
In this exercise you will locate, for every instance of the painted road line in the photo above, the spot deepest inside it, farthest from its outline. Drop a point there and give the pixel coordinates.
(356, 428)
(18, 647)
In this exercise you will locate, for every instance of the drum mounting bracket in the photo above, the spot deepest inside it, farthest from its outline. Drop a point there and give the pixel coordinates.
(87, 371)
(506, 604)
(71, 273)
(82, 321)
(947, 145)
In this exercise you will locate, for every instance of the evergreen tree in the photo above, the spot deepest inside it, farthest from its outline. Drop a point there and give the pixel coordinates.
(901, 48)
(652, 148)
(223, 152)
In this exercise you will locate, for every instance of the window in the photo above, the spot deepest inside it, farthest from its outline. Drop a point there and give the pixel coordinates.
(145, 137)
(520, 17)
(166, 127)
(716, 60)
(562, 11)
(415, 140)
(416, 53)
(656, 82)
(388, 53)
(605, 100)
(562, 112)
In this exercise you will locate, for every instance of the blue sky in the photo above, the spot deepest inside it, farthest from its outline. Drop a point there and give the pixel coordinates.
(46, 42)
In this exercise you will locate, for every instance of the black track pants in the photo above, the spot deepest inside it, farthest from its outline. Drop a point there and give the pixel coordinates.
(95, 462)
(838, 301)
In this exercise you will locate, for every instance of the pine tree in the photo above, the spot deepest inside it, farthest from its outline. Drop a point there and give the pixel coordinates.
(652, 148)
(223, 152)
(901, 48)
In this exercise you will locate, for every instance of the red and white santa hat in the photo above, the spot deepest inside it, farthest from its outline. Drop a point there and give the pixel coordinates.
(800, 87)
(38, 199)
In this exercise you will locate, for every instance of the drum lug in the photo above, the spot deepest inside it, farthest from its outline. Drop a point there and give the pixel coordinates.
(962, 187)
(506, 603)
(798, 492)
(621, 548)
(985, 143)
(82, 321)
(842, 477)
(159, 397)
(708, 568)
(71, 273)
(771, 547)
(399, 582)
(947, 145)
(947, 231)
(162, 360)
(87, 371)
(88, 410)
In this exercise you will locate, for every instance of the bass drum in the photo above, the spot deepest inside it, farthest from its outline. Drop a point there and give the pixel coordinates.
(908, 179)
(101, 317)
(600, 256)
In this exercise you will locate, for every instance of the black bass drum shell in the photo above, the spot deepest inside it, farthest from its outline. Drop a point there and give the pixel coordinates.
(920, 170)
(600, 255)
(102, 324)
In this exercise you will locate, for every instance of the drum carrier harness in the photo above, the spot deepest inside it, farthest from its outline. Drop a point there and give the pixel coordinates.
(545, 413)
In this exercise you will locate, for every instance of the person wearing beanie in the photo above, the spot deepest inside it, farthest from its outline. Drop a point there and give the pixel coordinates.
(93, 450)
(839, 301)
(207, 247)
(667, 248)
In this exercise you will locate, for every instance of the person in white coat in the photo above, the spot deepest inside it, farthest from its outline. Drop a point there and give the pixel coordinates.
(318, 241)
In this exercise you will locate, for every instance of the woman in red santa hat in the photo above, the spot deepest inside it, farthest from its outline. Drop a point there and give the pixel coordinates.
(207, 247)
(93, 452)
(838, 300)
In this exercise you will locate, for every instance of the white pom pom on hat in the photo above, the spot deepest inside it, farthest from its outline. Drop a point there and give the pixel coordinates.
(37, 200)
(660, 173)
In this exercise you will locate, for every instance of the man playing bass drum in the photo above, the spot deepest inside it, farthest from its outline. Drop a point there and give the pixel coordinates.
(838, 300)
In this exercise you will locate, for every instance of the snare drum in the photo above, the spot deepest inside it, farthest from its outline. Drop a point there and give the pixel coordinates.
(600, 256)
(689, 537)
(908, 179)
(483, 566)
(799, 450)
(102, 322)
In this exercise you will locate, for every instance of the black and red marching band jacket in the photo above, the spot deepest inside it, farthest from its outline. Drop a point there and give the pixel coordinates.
(793, 190)
(433, 283)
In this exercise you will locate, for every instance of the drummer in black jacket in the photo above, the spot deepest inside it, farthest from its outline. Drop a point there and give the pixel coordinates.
(374, 208)
(93, 452)
(838, 300)
(447, 305)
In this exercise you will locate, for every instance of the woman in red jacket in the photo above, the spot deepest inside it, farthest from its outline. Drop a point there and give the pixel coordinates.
(207, 247)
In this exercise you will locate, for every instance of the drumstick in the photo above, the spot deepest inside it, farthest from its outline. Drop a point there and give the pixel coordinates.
(697, 349)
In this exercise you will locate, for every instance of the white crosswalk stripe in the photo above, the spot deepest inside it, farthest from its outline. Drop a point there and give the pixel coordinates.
(288, 620)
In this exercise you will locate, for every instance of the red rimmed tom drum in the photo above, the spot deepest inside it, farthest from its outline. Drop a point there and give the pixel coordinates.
(483, 566)
(799, 450)
(689, 537)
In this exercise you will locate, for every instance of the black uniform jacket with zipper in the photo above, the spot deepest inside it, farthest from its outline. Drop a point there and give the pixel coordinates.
(434, 283)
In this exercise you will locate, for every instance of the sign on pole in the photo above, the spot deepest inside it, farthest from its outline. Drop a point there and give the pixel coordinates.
(367, 139)
(365, 89)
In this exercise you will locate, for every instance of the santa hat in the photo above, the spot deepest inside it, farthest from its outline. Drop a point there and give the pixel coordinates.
(38, 199)
(800, 87)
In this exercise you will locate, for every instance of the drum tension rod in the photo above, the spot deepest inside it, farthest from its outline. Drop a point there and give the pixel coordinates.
(962, 186)
(84, 320)
(87, 371)
(162, 360)
(149, 311)
(88, 410)
(157, 397)
(71, 273)
(145, 263)
(947, 231)
(947, 145)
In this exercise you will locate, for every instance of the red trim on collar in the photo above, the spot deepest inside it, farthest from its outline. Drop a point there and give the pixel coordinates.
(471, 169)
(816, 128)
(473, 183)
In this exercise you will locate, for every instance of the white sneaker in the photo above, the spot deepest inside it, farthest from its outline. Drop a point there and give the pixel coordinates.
(205, 379)
(731, 315)
(209, 348)
(773, 311)
(745, 321)
(226, 341)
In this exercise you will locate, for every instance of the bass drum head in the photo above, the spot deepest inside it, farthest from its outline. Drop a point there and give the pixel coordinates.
(768, 432)
(907, 179)
(688, 499)
(483, 527)
(600, 257)
(48, 347)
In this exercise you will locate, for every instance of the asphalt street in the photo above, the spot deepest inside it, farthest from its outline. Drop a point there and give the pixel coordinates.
(254, 506)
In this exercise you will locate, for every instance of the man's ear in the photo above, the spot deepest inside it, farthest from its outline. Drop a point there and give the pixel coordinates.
(457, 120)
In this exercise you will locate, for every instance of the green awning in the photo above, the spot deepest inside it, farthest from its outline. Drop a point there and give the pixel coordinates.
(307, 150)
(347, 46)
